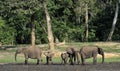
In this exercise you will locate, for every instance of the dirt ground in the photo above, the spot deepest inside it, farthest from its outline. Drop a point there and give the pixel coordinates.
(58, 67)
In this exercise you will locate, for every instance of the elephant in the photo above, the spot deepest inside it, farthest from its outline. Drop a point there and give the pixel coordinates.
(73, 54)
(91, 51)
(30, 52)
(64, 57)
(49, 55)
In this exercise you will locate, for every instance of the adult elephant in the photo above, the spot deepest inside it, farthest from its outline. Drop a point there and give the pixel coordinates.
(91, 51)
(29, 52)
(73, 55)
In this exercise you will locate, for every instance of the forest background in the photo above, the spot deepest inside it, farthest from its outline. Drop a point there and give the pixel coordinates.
(69, 20)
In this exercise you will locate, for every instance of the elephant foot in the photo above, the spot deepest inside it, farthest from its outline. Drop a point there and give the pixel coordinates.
(25, 63)
(94, 63)
(78, 62)
(47, 63)
(83, 63)
(37, 64)
(72, 64)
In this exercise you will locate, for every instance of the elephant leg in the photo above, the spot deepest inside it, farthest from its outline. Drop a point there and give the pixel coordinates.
(26, 58)
(50, 60)
(71, 59)
(26, 61)
(62, 61)
(65, 62)
(38, 61)
(78, 57)
(94, 57)
(82, 59)
(47, 60)
(94, 60)
(74, 56)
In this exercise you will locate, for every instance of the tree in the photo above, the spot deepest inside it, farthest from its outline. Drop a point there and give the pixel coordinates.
(49, 28)
(86, 21)
(114, 22)
(32, 31)
(23, 11)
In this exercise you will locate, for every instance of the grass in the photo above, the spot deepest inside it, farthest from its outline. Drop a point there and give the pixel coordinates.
(20, 59)
(7, 56)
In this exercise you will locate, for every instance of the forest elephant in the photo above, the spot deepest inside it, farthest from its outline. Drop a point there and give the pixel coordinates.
(30, 52)
(64, 57)
(91, 51)
(49, 55)
(73, 55)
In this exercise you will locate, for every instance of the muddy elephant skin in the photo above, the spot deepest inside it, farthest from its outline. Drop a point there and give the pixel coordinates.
(64, 57)
(30, 52)
(73, 55)
(49, 55)
(91, 51)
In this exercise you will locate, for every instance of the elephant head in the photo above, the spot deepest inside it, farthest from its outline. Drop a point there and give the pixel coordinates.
(101, 52)
(49, 56)
(64, 57)
(73, 54)
(18, 51)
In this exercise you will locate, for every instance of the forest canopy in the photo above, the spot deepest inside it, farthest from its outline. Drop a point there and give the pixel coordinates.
(71, 20)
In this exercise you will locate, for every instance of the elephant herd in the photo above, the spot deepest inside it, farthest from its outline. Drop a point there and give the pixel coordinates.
(72, 54)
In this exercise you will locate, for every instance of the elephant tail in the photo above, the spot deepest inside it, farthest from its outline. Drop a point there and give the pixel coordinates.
(15, 56)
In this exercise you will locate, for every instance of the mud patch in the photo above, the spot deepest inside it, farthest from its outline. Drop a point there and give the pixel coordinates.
(58, 67)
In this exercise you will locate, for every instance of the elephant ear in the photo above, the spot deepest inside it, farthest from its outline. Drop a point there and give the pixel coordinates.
(69, 50)
(100, 50)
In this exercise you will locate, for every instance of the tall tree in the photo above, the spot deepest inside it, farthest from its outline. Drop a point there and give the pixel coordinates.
(86, 21)
(49, 28)
(114, 23)
(32, 31)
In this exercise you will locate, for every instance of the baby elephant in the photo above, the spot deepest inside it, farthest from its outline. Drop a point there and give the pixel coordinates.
(64, 57)
(91, 51)
(29, 52)
(49, 56)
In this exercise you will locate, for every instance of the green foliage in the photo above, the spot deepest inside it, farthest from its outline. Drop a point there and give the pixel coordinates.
(6, 33)
(67, 18)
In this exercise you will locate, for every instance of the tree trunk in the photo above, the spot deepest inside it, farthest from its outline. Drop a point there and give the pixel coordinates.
(86, 22)
(32, 31)
(49, 30)
(114, 23)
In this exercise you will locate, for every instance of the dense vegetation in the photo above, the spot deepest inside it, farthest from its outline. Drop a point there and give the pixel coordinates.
(68, 19)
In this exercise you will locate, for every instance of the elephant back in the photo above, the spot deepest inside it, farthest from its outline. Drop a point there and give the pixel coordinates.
(71, 50)
(34, 52)
(88, 48)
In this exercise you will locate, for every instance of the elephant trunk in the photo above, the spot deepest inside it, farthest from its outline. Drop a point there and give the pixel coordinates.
(101, 52)
(16, 56)
(103, 57)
